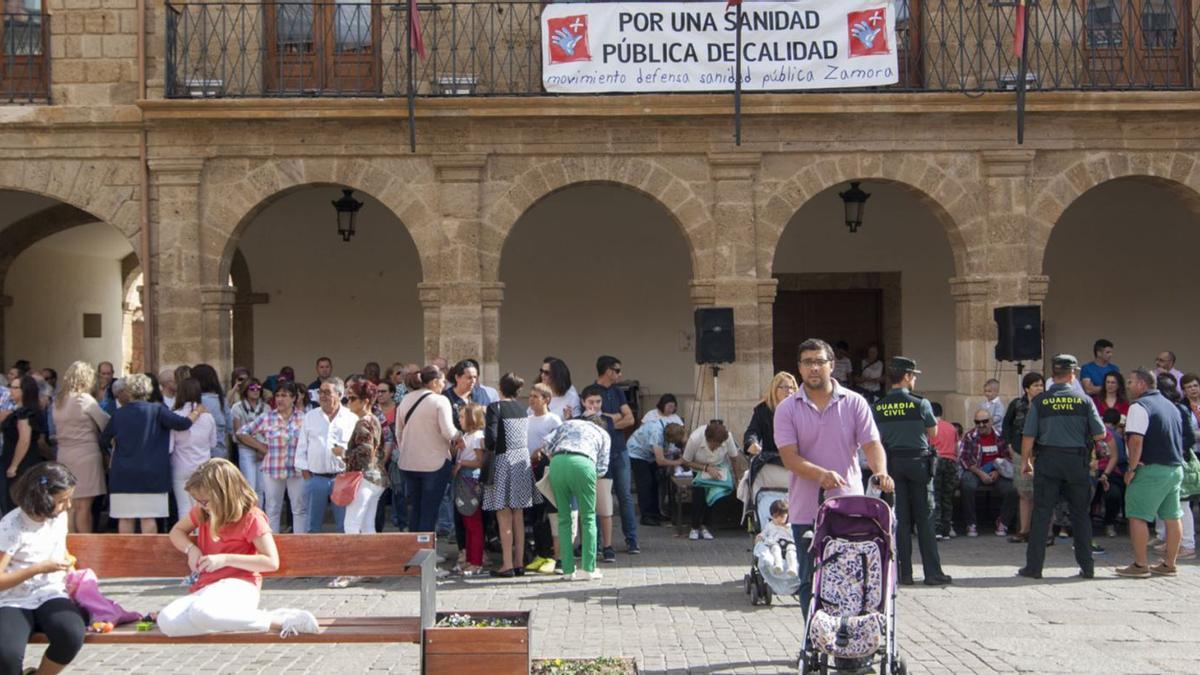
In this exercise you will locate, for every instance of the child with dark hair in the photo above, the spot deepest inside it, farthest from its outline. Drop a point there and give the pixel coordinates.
(33, 566)
(780, 553)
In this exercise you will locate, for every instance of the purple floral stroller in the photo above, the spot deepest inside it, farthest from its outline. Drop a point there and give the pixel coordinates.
(851, 623)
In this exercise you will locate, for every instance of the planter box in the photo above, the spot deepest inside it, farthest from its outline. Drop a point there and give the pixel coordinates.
(486, 651)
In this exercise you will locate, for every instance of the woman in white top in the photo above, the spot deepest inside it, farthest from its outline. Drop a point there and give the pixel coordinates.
(870, 376)
(426, 439)
(78, 421)
(709, 451)
(33, 566)
(554, 374)
(249, 406)
(665, 411)
(192, 447)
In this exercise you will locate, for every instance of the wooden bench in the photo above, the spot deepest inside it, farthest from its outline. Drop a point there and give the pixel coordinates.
(115, 556)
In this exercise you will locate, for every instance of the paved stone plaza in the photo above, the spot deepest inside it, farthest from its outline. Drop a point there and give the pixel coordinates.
(680, 607)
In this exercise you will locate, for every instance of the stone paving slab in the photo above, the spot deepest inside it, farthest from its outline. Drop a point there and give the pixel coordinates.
(680, 607)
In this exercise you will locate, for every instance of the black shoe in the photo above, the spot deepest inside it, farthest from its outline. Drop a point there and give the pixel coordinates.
(506, 574)
(1087, 574)
(1050, 540)
(939, 580)
(1028, 573)
(519, 571)
(633, 549)
(906, 580)
(651, 521)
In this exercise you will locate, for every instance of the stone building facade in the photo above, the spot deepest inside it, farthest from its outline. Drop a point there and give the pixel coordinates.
(212, 166)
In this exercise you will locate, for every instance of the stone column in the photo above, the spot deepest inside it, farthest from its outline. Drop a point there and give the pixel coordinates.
(243, 326)
(175, 245)
(216, 305)
(5, 301)
(462, 310)
(975, 338)
(734, 283)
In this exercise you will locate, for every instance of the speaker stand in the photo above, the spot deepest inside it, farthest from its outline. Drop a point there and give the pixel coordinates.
(716, 371)
(1020, 368)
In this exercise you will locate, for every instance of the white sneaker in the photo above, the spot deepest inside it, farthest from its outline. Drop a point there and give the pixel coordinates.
(953, 534)
(704, 533)
(694, 535)
(294, 622)
(972, 531)
(1186, 553)
(1001, 530)
(1110, 531)
(584, 575)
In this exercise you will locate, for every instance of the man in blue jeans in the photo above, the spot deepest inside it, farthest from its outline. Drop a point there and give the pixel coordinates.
(616, 410)
(325, 428)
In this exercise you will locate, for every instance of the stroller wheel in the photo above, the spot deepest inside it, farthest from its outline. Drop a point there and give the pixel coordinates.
(900, 667)
(754, 594)
(766, 594)
(746, 582)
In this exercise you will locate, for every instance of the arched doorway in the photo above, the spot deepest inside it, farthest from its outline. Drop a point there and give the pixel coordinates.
(315, 295)
(598, 269)
(887, 283)
(64, 290)
(1120, 261)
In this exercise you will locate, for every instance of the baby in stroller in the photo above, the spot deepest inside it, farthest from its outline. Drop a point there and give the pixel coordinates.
(780, 551)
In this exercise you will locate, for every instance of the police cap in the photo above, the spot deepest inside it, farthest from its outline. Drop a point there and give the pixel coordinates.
(1064, 361)
(904, 364)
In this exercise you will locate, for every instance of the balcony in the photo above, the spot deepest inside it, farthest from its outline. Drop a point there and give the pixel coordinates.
(362, 48)
(24, 66)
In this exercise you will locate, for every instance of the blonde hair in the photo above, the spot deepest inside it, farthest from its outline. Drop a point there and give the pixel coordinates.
(230, 497)
(543, 391)
(79, 379)
(473, 418)
(772, 397)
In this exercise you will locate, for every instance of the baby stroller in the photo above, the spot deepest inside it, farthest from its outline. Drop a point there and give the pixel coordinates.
(762, 582)
(851, 622)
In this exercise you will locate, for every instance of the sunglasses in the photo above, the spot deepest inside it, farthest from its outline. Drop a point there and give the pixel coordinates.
(544, 371)
(254, 387)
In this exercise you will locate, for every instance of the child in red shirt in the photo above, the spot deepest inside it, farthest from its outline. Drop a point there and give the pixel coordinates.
(232, 549)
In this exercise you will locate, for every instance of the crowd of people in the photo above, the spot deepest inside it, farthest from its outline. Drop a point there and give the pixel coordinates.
(537, 473)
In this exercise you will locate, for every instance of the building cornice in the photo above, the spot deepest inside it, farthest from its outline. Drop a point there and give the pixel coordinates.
(669, 105)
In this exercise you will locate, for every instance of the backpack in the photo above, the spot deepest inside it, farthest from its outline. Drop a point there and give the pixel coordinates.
(848, 623)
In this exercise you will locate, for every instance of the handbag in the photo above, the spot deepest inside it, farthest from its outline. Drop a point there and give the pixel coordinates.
(1005, 467)
(1190, 486)
(543, 486)
(84, 590)
(467, 495)
(345, 487)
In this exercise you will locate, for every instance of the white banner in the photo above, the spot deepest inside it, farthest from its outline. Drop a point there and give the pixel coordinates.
(675, 47)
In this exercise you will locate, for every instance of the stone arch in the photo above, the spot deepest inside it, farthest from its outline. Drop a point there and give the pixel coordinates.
(235, 192)
(1172, 170)
(103, 188)
(955, 206)
(668, 186)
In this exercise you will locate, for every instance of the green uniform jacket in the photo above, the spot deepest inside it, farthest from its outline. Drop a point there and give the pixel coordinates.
(903, 418)
(1060, 418)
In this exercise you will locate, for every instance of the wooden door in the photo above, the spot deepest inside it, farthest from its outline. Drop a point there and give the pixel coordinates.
(324, 47)
(1137, 43)
(294, 49)
(855, 316)
(22, 53)
(908, 44)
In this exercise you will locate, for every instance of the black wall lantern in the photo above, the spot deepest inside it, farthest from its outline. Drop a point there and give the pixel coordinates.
(855, 201)
(347, 213)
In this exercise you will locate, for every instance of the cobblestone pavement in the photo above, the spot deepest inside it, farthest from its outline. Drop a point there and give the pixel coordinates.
(680, 608)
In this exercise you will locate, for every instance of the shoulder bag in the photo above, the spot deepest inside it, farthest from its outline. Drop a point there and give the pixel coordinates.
(1190, 486)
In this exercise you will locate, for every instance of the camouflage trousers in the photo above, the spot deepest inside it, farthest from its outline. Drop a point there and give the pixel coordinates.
(945, 482)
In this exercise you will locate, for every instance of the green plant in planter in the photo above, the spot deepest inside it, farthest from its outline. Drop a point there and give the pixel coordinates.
(604, 665)
(468, 621)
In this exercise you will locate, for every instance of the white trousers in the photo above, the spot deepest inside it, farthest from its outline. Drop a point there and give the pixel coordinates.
(781, 561)
(360, 514)
(274, 488)
(1189, 527)
(250, 464)
(183, 501)
(229, 605)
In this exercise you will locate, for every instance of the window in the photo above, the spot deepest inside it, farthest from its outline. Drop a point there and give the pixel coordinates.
(1159, 24)
(1104, 24)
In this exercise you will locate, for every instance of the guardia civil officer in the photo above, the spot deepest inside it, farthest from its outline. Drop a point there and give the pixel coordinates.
(906, 425)
(1056, 450)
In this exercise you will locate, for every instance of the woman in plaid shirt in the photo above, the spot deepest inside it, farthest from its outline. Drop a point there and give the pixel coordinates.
(275, 435)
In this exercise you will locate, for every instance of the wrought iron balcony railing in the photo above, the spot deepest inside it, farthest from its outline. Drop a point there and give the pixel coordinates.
(488, 48)
(24, 66)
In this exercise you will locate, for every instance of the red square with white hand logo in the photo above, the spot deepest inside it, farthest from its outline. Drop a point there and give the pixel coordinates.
(868, 32)
(568, 39)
